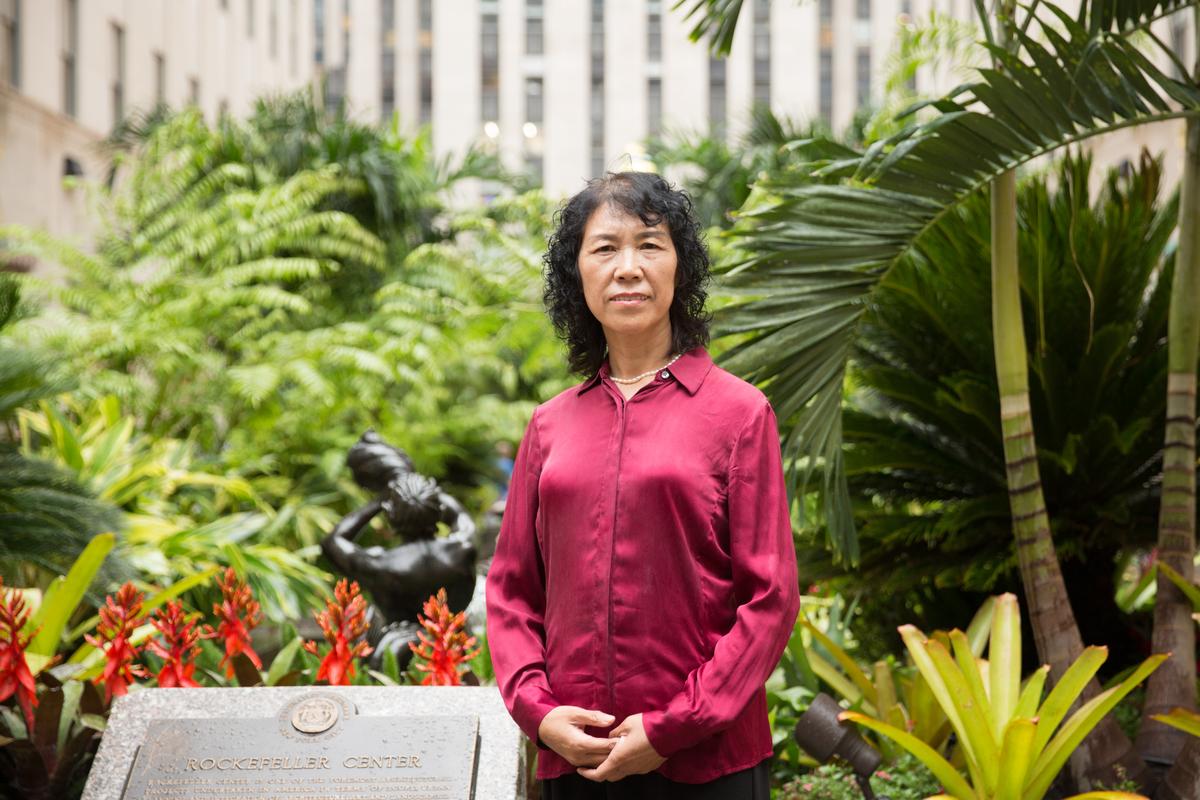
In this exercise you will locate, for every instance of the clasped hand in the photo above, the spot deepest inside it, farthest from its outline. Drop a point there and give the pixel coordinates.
(626, 751)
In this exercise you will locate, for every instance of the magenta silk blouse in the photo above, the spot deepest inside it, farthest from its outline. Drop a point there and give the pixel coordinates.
(645, 564)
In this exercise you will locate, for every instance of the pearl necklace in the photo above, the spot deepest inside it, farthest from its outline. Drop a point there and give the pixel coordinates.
(637, 378)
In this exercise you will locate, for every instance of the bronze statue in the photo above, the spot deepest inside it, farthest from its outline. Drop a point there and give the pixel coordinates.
(400, 579)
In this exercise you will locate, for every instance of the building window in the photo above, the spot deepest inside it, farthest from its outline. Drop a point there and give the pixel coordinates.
(70, 54)
(862, 9)
(319, 32)
(1178, 42)
(222, 108)
(863, 75)
(387, 59)
(716, 97)
(762, 52)
(533, 100)
(489, 61)
(194, 91)
(337, 78)
(250, 18)
(273, 29)
(335, 88)
(118, 73)
(160, 79)
(425, 61)
(597, 103)
(825, 94)
(532, 129)
(654, 106)
(654, 28)
(535, 31)
(10, 31)
(826, 13)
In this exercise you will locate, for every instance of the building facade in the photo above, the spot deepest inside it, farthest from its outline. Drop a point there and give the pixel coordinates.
(564, 89)
(70, 69)
(569, 88)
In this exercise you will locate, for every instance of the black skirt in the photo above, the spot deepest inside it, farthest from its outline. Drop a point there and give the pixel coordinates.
(747, 784)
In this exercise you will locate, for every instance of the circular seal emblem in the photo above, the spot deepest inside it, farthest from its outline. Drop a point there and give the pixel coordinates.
(315, 715)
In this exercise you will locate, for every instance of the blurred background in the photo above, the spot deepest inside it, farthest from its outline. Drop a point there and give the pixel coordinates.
(559, 91)
(237, 234)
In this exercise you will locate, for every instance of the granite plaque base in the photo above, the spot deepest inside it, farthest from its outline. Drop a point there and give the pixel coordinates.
(317, 743)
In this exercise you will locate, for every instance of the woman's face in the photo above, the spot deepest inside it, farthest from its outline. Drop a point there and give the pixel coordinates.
(628, 271)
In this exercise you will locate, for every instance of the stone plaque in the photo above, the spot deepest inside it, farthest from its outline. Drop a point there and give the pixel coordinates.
(316, 748)
(144, 722)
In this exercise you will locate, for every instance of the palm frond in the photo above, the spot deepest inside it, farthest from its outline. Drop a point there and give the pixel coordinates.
(1128, 15)
(716, 19)
(817, 241)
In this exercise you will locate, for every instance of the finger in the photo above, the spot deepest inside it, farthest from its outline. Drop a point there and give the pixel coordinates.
(601, 773)
(591, 773)
(593, 744)
(591, 760)
(586, 716)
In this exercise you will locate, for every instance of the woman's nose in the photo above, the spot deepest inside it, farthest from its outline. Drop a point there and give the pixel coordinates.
(629, 260)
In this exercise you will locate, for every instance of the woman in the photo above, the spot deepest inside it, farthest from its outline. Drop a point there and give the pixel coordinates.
(644, 582)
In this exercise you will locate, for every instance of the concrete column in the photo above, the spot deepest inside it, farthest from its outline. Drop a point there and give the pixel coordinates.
(624, 81)
(795, 61)
(685, 75)
(567, 92)
(739, 75)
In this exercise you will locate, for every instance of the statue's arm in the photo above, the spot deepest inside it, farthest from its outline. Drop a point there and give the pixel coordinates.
(454, 515)
(339, 546)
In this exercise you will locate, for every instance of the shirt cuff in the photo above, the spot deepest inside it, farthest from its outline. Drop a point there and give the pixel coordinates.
(668, 733)
(531, 710)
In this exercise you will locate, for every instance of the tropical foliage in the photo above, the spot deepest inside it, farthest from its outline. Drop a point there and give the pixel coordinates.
(47, 515)
(226, 312)
(887, 197)
(717, 174)
(923, 448)
(1014, 741)
(1054, 79)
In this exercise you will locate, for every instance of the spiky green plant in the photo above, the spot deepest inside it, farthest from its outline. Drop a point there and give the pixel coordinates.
(46, 516)
(1013, 741)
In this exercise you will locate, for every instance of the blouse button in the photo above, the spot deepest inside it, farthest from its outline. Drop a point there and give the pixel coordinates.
(665, 374)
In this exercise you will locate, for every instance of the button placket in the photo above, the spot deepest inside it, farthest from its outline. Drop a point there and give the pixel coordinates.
(622, 413)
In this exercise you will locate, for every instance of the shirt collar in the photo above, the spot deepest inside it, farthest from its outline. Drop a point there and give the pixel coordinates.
(689, 369)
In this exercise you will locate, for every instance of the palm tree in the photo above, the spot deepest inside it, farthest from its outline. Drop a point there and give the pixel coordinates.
(1173, 629)
(924, 450)
(820, 247)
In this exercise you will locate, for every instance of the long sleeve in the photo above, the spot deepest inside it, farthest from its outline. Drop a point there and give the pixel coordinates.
(765, 591)
(516, 596)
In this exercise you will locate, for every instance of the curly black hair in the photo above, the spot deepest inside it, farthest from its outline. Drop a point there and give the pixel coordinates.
(653, 200)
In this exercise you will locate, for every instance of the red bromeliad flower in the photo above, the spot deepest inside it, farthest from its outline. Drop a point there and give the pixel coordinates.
(344, 621)
(239, 613)
(15, 676)
(118, 620)
(444, 651)
(179, 646)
